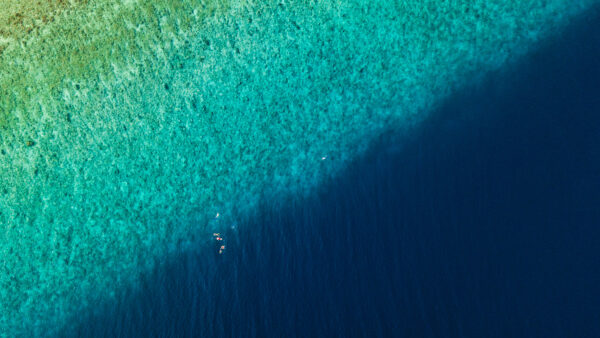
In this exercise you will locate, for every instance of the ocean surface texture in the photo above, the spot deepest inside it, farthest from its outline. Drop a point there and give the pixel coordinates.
(299, 168)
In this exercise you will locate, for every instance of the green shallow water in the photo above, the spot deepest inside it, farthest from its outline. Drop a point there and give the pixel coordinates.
(126, 126)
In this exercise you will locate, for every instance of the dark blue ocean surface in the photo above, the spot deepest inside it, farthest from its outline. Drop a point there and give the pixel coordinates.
(484, 223)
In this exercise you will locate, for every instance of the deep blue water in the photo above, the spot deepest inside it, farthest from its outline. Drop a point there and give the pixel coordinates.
(484, 223)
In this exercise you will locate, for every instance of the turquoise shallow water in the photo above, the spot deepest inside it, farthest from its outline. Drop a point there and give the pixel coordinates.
(481, 223)
(128, 127)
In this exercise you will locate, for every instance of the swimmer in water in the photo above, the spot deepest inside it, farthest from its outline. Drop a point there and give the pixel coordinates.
(219, 242)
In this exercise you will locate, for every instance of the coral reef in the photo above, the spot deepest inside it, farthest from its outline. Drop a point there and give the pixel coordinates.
(125, 126)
